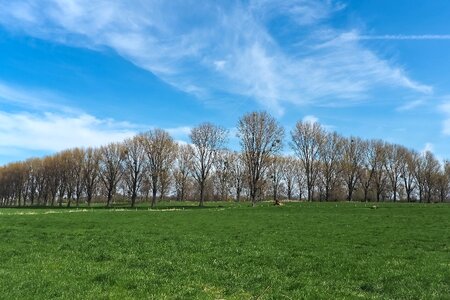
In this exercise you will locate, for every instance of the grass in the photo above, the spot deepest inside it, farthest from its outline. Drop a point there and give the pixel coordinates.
(300, 250)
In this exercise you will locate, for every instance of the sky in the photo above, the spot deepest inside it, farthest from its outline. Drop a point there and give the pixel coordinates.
(89, 72)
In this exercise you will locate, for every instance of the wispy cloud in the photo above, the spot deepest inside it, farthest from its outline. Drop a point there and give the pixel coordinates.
(33, 98)
(301, 12)
(205, 47)
(428, 148)
(22, 132)
(40, 122)
(411, 105)
(310, 119)
(444, 108)
(403, 37)
(53, 132)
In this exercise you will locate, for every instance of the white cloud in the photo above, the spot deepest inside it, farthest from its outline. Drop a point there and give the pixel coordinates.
(310, 119)
(428, 147)
(42, 124)
(444, 108)
(225, 47)
(180, 134)
(54, 132)
(220, 64)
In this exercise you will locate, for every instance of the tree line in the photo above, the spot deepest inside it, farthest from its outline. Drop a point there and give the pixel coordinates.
(324, 166)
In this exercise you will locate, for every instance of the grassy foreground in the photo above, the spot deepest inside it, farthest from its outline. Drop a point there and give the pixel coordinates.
(300, 250)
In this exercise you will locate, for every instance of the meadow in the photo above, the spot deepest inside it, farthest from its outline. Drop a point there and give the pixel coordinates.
(227, 251)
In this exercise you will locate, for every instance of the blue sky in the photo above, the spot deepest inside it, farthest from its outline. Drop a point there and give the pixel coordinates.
(87, 72)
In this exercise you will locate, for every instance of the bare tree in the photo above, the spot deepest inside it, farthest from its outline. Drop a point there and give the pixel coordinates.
(392, 165)
(78, 155)
(39, 173)
(330, 154)
(53, 176)
(276, 176)
(111, 167)
(63, 169)
(13, 179)
(430, 170)
(207, 139)
(407, 167)
(444, 181)
(182, 171)
(419, 174)
(260, 138)
(289, 172)
(31, 182)
(372, 163)
(380, 179)
(351, 164)
(222, 174)
(134, 164)
(300, 178)
(67, 186)
(91, 172)
(20, 174)
(164, 182)
(307, 139)
(160, 150)
(237, 168)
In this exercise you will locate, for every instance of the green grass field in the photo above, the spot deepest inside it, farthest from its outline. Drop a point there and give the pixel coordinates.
(299, 250)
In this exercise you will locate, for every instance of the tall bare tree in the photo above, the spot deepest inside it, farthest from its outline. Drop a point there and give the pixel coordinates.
(160, 149)
(289, 172)
(260, 138)
(207, 139)
(380, 179)
(307, 140)
(237, 168)
(223, 174)
(78, 155)
(182, 171)
(330, 154)
(111, 168)
(392, 165)
(67, 180)
(91, 172)
(444, 181)
(276, 177)
(407, 167)
(370, 162)
(53, 176)
(134, 165)
(431, 168)
(351, 164)
(164, 182)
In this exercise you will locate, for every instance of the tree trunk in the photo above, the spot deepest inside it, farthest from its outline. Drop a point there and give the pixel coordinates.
(395, 193)
(202, 193)
(154, 190)
(366, 192)
(238, 194)
(108, 203)
(133, 199)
